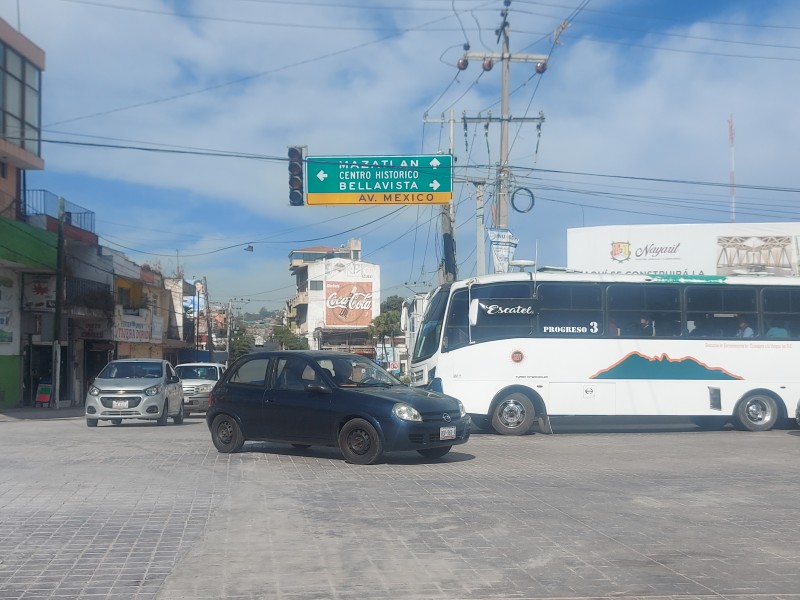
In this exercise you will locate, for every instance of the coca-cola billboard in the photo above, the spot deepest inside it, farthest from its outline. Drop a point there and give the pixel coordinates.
(348, 303)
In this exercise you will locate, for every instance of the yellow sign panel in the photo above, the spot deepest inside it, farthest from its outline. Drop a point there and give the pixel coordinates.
(416, 198)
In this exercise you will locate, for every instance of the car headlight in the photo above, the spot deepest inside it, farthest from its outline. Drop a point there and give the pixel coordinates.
(406, 412)
(152, 391)
(206, 387)
(94, 390)
(461, 408)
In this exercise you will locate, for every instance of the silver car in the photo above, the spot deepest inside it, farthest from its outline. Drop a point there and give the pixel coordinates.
(135, 388)
(197, 380)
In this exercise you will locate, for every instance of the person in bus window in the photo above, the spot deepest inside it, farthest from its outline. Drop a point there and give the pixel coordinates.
(613, 328)
(645, 327)
(745, 331)
(776, 331)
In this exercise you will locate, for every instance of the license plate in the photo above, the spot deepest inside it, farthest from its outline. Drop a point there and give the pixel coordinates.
(119, 404)
(447, 433)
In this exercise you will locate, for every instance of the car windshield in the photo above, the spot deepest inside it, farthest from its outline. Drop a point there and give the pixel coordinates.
(197, 372)
(357, 371)
(132, 370)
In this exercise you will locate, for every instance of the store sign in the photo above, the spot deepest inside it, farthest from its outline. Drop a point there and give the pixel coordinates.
(39, 292)
(91, 330)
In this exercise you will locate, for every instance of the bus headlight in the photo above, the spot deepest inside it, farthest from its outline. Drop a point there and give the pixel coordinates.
(406, 412)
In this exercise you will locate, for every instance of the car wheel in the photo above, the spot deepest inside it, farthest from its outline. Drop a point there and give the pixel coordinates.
(513, 415)
(116, 421)
(178, 418)
(360, 443)
(434, 452)
(757, 412)
(91, 422)
(301, 446)
(226, 434)
(162, 418)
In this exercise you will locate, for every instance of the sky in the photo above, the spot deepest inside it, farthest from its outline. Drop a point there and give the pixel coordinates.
(171, 120)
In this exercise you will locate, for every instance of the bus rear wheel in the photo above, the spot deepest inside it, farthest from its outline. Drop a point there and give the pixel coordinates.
(757, 412)
(513, 415)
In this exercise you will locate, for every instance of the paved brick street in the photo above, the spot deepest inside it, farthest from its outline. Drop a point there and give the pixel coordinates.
(141, 511)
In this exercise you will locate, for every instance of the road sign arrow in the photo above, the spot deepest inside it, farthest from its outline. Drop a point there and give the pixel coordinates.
(322, 175)
(435, 185)
(435, 163)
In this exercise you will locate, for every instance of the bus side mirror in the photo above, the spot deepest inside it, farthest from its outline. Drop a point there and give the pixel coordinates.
(474, 306)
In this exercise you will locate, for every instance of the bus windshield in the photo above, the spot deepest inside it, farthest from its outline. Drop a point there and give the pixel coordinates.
(427, 342)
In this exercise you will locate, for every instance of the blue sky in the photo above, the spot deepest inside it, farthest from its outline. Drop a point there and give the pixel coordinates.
(636, 99)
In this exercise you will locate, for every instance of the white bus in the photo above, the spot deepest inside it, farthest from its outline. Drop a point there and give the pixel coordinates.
(518, 348)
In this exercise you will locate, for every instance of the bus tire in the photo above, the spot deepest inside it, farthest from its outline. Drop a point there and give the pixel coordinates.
(756, 412)
(513, 415)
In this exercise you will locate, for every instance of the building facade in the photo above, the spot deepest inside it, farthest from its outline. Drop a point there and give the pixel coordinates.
(338, 296)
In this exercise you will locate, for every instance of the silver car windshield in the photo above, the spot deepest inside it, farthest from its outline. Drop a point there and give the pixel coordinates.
(132, 370)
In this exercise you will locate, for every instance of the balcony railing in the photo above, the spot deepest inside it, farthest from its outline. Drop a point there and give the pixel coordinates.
(89, 294)
(42, 202)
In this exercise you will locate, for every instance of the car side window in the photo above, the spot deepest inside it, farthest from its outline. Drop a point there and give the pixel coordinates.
(253, 372)
(294, 373)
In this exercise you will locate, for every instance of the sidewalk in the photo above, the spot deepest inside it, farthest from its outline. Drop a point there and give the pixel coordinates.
(28, 412)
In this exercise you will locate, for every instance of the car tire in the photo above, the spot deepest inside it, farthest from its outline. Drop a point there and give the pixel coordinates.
(226, 434)
(91, 422)
(116, 421)
(756, 412)
(162, 418)
(178, 418)
(360, 443)
(434, 452)
(513, 415)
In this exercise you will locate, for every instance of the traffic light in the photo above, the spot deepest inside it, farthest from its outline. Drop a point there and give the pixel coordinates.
(296, 195)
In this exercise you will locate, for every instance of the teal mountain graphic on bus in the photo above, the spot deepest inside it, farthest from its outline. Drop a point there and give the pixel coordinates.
(639, 366)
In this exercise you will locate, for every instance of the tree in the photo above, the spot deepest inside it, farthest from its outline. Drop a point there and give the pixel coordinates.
(392, 303)
(241, 341)
(288, 340)
(386, 324)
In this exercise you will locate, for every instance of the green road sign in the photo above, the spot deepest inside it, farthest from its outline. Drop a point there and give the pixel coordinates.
(424, 179)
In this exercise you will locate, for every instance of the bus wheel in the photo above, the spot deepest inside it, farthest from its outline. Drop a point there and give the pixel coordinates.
(757, 412)
(513, 415)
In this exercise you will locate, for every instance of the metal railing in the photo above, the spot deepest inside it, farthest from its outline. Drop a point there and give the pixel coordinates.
(42, 202)
(89, 294)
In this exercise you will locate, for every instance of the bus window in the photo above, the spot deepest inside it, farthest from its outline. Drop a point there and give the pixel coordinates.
(645, 311)
(428, 337)
(781, 312)
(570, 309)
(456, 332)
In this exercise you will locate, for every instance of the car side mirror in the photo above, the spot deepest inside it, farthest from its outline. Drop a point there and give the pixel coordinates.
(173, 379)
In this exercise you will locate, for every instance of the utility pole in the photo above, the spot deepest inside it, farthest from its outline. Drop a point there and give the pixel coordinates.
(488, 60)
(57, 317)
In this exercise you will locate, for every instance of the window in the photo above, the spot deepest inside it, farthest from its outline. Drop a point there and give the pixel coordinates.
(570, 309)
(505, 310)
(253, 372)
(715, 311)
(781, 312)
(294, 374)
(315, 285)
(637, 310)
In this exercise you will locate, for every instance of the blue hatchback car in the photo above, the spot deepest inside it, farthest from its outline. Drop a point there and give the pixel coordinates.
(327, 398)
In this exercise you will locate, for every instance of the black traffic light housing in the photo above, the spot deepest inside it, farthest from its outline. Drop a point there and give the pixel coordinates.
(296, 183)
